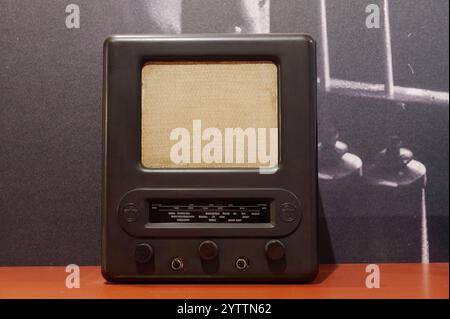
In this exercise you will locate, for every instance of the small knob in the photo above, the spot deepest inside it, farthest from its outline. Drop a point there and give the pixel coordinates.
(143, 253)
(208, 250)
(274, 250)
(130, 212)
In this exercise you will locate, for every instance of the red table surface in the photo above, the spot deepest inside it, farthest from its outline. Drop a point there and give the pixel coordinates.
(334, 281)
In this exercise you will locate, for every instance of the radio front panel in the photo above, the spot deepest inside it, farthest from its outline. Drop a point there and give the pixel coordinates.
(210, 169)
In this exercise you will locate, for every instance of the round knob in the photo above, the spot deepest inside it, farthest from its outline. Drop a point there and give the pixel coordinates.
(143, 253)
(130, 212)
(208, 250)
(274, 250)
(288, 212)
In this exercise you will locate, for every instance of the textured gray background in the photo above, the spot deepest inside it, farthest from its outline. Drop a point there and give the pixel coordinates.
(50, 110)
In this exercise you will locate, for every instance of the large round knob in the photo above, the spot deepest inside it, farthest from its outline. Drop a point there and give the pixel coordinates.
(143, 253)
(274, 250)
(208, 250)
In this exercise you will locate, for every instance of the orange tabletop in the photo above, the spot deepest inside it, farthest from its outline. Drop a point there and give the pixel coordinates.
(334, 281)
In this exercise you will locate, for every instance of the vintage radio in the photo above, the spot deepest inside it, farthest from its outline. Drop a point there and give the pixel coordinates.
(209, 169)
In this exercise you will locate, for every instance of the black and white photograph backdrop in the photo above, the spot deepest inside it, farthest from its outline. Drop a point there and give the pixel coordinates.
(383, 119)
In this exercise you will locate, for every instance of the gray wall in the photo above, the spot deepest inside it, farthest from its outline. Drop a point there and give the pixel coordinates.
(50, 113)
